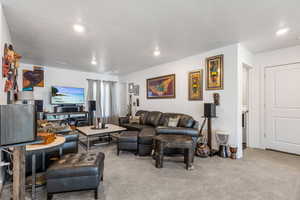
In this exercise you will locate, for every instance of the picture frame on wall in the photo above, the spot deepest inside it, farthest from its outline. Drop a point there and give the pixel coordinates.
(196, 85)
(215, 73)
(161, 87)
(136, 90)
(130, 87)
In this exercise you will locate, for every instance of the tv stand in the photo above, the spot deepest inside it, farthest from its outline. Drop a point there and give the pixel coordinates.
(66, 116)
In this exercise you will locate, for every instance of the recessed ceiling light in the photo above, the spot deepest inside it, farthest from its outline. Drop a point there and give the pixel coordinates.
(78, 28)
(156, 52)
(282, 31)
(94, 62)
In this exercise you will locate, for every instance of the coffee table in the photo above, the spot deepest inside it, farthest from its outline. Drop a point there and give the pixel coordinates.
(174, 141)
(89, 132)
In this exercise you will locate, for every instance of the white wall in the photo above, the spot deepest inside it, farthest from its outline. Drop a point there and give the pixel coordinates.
(4, 38)
(268, 59)
(228, 110)
(61, 77)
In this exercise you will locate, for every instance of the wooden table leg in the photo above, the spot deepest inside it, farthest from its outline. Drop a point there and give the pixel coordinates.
(19, 173)
(33, 176)
(160, 154)
(189, 158)
(88, 144)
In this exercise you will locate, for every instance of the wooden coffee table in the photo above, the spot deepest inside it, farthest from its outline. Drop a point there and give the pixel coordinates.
(89, 133)
(174, 141)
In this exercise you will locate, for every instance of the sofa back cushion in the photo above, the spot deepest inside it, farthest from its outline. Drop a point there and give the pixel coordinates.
(165, 118)
(143, 116)
(153, 118)
(185, 121)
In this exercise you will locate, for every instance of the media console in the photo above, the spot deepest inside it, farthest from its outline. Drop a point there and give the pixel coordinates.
(70, 117)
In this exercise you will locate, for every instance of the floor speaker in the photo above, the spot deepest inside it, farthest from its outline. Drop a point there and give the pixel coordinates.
(92, 106)
(209, 110)
(39, 105)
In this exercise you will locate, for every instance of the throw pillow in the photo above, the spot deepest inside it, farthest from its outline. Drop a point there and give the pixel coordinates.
(135, 120)
(173, 122)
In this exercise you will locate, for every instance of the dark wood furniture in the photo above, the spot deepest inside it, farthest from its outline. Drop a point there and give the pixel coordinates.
(174, 141)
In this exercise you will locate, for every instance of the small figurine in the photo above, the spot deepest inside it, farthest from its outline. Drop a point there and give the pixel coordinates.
(216, 98)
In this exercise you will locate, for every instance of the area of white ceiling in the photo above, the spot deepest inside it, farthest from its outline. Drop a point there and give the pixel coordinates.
(121, 35)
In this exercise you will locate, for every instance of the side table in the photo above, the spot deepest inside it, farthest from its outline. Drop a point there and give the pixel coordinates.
(57, 143)
(174, 141)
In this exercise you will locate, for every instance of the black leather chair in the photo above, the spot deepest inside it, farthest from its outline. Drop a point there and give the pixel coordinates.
(70, 146)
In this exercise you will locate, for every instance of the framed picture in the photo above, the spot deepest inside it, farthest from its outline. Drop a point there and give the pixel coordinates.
(215, 73)
(136, 90)
(196, 85)
(161, 87)
(130, 87)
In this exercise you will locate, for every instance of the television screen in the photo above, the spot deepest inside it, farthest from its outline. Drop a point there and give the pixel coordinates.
(67, 95)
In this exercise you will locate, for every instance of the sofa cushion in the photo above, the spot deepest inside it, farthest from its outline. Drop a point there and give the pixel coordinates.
(143, 115)
(153, 118)
(177, 131)
(173, 122)
(165, 117)
(186, 121)
(135, 127)
(128, 136)
(146, 136)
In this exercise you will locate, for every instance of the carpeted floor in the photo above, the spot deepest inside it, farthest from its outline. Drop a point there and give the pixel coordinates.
(260, 175)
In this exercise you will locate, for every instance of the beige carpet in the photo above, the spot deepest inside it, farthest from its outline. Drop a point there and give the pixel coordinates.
(260, 175)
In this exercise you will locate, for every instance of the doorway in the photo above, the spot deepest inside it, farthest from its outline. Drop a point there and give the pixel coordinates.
(282, 108)
(246, 100)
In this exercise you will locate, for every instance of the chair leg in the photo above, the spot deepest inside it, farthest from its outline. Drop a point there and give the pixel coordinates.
(49, 196)
(96, 193)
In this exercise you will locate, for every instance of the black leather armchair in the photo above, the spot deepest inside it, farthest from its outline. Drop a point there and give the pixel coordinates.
(70, 146)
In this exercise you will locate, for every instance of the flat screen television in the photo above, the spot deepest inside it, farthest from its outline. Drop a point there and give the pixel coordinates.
(67, 95)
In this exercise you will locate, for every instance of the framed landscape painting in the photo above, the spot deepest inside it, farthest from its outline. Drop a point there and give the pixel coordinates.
(215, 73)
(161, 87)
(196, 85)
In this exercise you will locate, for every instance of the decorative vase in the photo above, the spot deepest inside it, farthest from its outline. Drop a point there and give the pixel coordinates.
(233, 151)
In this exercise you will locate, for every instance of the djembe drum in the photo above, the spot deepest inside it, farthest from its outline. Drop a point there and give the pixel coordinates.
(222, 138)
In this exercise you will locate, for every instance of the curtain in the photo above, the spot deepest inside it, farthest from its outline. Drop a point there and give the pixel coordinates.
(90, 92)
(110, 114)
(105, 94)
(98, 99)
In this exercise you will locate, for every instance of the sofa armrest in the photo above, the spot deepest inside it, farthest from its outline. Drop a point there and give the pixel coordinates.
(177, 131)
(123, 120)
(196, 125)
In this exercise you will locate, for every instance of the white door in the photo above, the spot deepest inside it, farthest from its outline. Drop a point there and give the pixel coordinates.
(282, 108)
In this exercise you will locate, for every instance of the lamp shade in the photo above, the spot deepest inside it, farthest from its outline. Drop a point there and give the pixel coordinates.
(25, 96)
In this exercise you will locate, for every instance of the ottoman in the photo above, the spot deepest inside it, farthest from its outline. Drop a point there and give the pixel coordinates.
(75, 172)
(127, 141)
(145, 141)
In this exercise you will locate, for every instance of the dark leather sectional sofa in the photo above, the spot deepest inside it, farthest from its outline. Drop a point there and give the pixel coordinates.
(154, 123)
